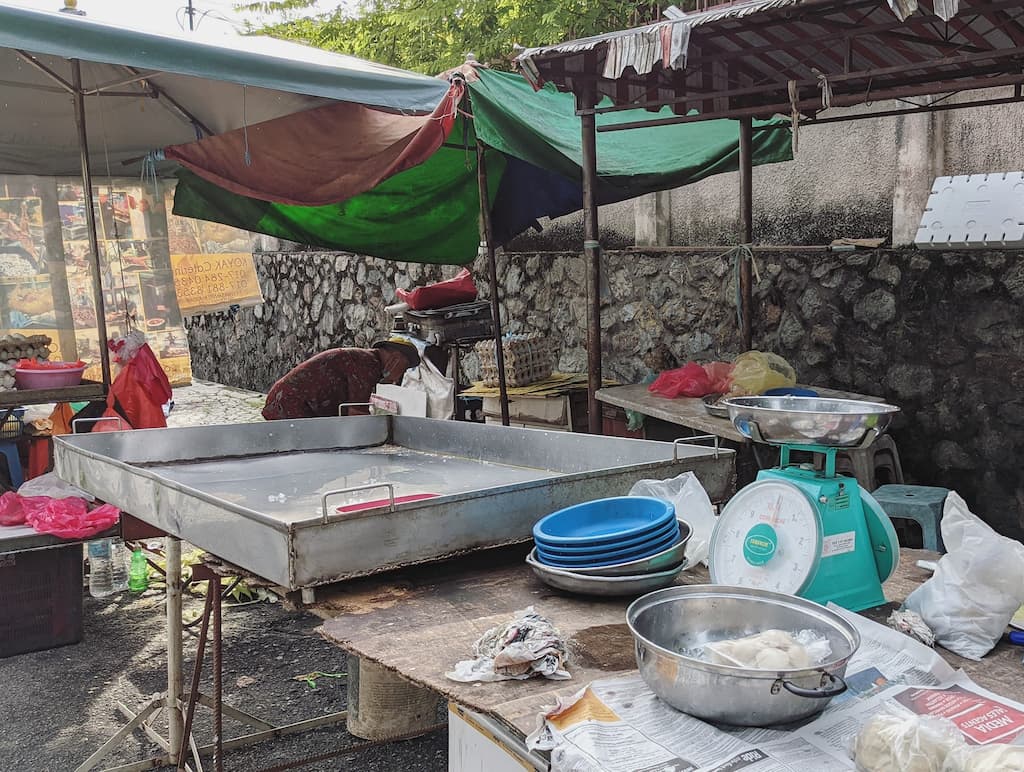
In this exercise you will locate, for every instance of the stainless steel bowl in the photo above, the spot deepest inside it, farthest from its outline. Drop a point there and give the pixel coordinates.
(606, 586)
(662, 561)
(677, 619)
(840, 423)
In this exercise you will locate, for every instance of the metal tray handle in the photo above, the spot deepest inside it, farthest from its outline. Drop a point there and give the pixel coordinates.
(691, 440)
(324, 519)
(343, 405)
(76, 421)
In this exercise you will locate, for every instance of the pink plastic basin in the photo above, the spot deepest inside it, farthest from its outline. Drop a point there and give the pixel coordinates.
(48, 379)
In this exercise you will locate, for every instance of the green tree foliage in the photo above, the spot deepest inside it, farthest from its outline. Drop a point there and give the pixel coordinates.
(431, 36)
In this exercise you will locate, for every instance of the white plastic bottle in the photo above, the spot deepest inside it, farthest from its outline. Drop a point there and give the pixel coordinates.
(119, 558)
(101, 580)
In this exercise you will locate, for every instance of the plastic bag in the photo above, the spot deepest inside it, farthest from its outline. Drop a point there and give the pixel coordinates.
(720, 376)
(692, 504)
(439, 388)
(992, 758)
(977, 586)
(690, 380)
(898, 740)
(754, 372)
(458, 289)
(69, 518)
(11, 511)
(51, 485)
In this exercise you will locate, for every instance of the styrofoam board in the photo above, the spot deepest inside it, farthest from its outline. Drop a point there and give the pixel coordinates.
(974, 211)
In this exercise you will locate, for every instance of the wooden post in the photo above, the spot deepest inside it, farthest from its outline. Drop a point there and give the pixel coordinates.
(592, 255)
(746, 226)
(492, 269)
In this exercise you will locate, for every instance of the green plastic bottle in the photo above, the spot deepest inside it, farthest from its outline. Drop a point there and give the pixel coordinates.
(138, 574)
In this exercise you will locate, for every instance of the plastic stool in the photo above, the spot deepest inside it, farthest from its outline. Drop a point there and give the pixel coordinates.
(920, 503)
(9, 448)
(877, 464)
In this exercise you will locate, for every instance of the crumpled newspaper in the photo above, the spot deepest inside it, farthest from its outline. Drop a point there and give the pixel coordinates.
(529, 645)
(911, 623)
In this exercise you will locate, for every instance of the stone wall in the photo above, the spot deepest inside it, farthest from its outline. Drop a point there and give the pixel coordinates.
(939, 334)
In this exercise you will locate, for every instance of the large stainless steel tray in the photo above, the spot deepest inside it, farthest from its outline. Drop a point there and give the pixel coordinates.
(809, 420)
(264, 496)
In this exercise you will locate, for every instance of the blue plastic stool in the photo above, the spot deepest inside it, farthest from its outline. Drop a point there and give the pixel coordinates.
(920, 503)
(9, 448)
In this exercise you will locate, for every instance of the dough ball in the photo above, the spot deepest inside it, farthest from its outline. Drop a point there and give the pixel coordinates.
(776, 639)
(906, 743)
(773, 659)
(994, 758)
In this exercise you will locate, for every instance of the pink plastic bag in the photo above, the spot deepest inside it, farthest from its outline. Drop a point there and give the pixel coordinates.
(11, 511)
(720, 376)
(690, 380)
(68, 518)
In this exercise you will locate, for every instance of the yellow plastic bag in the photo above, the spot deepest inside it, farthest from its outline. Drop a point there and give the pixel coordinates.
(754, 372)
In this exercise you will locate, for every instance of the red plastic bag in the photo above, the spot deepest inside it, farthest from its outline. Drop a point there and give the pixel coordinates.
(459, 289)
(68, 518)
(141, 390)
(690, 380)
(720, 376)
(11, 511)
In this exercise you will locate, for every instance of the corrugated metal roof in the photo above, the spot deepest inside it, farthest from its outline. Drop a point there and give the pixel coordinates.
(747, 58)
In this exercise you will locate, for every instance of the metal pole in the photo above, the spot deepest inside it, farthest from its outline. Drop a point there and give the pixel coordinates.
(175, 728)
(197, 671)
(90, 220)
(592, 255)
(746, 225)
(492, 269)
(218, 687)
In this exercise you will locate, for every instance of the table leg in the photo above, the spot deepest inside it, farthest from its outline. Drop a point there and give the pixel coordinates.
(175, 722)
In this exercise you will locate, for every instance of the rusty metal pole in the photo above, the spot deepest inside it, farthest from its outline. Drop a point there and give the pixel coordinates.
(746, 226)
(492, 270)
(592, 255)
(218, 685)
(90, 219)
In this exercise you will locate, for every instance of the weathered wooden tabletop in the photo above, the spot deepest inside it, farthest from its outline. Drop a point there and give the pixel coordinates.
(420, 622)
(690, 411)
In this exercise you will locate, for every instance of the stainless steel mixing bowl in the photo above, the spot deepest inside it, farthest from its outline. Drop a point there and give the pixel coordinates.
(840, 423)
(668, 622)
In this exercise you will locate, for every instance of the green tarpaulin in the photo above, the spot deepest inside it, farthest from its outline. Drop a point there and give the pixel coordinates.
(428, 213)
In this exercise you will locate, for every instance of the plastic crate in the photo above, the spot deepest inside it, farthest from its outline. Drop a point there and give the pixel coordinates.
(40, 599)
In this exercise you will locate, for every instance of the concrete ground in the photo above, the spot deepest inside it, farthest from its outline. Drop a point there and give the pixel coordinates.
(58, 706)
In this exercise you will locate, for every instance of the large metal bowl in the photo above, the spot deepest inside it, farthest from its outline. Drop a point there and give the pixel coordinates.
(788, 420)
(682, 619)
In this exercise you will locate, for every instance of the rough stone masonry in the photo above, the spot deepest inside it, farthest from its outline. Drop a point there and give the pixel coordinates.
(939, 334)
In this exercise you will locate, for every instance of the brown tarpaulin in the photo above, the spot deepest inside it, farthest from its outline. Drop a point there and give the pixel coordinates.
(321, 156)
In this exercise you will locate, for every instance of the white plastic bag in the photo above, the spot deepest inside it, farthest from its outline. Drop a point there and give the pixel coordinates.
(692, 505)
(894, 739)
(977, 586)
(991, 758)
(51, 485)
(439, 388)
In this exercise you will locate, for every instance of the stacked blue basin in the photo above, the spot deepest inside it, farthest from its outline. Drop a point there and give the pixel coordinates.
(606, 532)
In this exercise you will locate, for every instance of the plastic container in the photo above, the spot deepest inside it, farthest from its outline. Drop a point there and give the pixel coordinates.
(56, 378)
(101, 577)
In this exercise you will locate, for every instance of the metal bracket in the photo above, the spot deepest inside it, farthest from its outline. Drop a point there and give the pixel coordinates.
(76, 421)
(691, 440)
(344, 405)
(324, 519)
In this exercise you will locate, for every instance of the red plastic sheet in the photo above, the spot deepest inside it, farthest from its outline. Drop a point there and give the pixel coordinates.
(458, 289)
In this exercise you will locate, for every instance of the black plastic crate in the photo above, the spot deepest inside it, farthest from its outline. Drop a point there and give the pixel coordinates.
(40, 599)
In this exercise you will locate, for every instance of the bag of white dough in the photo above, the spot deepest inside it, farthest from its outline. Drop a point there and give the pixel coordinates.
(771, 650)
(977, 586)
(894, 739)
(991, 758)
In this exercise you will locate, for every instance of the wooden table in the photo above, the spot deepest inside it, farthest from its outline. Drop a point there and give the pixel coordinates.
(690, 412)
(419, 623)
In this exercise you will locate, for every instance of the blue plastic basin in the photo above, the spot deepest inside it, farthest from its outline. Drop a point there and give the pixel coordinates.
(611, 557)
(634, 542)
(604, 521)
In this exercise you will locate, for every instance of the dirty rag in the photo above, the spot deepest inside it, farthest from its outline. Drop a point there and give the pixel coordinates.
(910, 623)
(528, 645)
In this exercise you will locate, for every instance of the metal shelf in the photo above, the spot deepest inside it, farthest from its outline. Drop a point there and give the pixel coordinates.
(85, 391)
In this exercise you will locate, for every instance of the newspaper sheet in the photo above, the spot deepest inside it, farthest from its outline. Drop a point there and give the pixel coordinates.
(618, 725)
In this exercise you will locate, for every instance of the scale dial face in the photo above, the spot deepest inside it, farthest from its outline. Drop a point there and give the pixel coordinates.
(767, 537)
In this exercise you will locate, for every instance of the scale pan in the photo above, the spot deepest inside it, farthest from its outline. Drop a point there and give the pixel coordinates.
(841, 423)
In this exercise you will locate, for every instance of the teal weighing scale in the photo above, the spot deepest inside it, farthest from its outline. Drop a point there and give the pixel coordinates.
(801, 530)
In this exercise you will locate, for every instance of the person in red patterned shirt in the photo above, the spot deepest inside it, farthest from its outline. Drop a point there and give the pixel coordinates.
(315, 388)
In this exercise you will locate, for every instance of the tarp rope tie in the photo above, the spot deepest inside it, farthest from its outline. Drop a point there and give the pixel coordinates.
(826, 88)
(737, 254)
(245, 131)
(794, 98)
